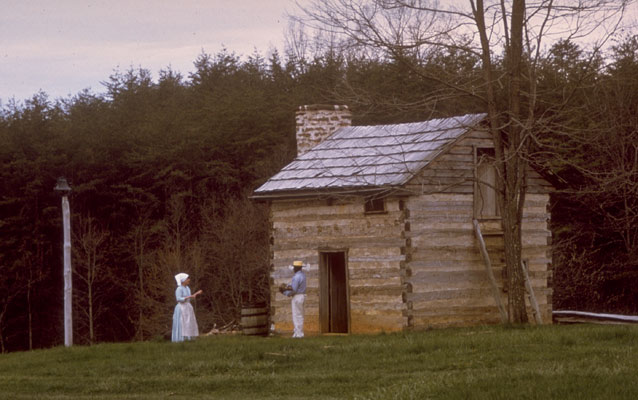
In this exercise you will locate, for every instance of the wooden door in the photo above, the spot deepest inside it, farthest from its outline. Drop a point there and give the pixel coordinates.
(333, 293)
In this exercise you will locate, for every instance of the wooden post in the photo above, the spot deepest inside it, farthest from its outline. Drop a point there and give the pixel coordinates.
(490, 273)
(63, 187)
(530, 292)
(68, 285)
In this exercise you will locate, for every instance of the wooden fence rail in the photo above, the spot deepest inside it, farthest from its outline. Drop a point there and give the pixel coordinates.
(582, 317)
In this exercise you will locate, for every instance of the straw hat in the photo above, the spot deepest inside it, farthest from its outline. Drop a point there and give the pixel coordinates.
(296, 263)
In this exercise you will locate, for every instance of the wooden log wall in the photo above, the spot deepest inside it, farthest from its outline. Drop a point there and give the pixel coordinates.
(375, 249)
(446, 283)
(417, 265)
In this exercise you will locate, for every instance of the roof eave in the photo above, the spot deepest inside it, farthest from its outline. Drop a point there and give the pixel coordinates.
(327, 193)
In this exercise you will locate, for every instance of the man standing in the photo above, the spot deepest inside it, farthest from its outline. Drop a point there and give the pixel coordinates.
(297, 290)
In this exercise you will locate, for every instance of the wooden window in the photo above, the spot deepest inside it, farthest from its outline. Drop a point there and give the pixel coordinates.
(374, 206)
(485, 200)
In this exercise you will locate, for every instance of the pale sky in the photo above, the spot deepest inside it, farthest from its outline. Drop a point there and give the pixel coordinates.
(65, 46)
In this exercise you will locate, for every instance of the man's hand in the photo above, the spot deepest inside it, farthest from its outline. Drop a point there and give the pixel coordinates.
(283, 287)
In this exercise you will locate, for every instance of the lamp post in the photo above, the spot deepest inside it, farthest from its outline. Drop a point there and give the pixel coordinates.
(63, 188)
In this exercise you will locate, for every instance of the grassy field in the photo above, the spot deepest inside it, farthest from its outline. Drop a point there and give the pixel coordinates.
(553, 362)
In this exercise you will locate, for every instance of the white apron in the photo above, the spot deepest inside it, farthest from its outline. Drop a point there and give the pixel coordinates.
(189, 323)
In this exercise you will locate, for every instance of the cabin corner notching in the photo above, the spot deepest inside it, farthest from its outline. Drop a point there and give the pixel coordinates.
(383, 216)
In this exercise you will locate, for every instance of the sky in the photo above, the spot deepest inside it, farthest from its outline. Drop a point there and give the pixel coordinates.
(64, 46)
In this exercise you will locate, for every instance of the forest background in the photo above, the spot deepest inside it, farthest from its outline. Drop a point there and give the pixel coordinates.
(162, 170)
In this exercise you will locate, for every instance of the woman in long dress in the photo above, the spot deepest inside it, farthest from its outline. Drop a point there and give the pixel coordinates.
(184, 322)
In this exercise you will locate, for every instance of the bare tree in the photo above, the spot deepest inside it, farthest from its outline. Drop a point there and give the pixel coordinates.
(11, 287)
(236, 249)
(162, 249)
(599, 248)
(143, 235)
(177, 250)
(91, 270)
(508, 37)
(34, 276)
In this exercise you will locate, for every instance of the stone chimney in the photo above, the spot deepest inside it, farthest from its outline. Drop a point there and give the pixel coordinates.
(318, 121)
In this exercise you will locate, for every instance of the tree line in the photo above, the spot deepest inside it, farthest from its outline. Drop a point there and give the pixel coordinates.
(162, 169)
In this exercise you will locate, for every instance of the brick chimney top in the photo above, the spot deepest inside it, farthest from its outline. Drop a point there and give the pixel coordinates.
(316, 122)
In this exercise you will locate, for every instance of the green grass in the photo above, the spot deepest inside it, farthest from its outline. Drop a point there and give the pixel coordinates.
(552, 362)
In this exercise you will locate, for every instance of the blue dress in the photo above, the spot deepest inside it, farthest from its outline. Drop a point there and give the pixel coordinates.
(184, 322)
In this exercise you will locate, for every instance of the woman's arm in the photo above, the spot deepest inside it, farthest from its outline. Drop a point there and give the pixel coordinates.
(179, 294)
(195, 294)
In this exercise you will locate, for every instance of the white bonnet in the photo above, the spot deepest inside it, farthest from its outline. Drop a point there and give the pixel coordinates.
(180, 278)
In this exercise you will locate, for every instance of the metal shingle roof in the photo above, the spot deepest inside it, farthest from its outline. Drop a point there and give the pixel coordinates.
(369, 156)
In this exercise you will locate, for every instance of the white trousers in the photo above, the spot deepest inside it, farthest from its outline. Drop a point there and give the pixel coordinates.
(297, 314)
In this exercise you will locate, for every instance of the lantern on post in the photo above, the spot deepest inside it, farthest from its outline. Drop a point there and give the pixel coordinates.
(64, 189)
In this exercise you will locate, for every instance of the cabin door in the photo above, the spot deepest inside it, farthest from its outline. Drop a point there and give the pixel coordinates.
(333, 292)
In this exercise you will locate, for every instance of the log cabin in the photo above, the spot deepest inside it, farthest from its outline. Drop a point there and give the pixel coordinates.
(398, 226)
